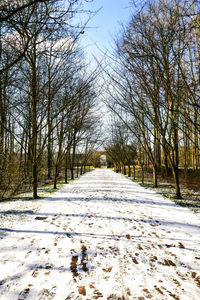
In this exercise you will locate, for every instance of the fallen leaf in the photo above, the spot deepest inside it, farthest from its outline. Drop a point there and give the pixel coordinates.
(83, 248)
(135, 261)
(82, 290)
(181, 245)
(47, 273)
(107, 270)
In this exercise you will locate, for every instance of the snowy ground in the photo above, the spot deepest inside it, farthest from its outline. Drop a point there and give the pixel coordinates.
(100, 237)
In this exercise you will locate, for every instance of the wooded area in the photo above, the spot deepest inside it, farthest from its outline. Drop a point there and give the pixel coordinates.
(47, 96)
(49, 114)
(153, 89)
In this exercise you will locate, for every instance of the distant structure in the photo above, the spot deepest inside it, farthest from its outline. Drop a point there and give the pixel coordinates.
(103, 161)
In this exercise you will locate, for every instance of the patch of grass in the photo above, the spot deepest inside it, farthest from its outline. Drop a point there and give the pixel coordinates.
(190, 193)
(44, 190)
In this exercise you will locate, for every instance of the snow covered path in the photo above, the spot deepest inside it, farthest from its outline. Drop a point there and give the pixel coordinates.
(100, 237)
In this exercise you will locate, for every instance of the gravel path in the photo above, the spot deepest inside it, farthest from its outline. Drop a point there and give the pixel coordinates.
(100, 237)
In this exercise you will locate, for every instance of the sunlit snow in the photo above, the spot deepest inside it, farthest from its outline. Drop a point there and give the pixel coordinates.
(100, 237)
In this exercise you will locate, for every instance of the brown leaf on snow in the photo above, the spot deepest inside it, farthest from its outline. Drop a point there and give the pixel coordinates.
(107, 270)
(176, 282)
(158, 290)
(97, 294)
(91, 286)
(196, 278)
(148, 294)
(170, 253)
(171, 294)
(26, 291)
(153, 225)
(155, 234)
(135, 261)
(47, 273)
(41, 218)
(35, 273)
(128, 236)
(82, 290)
(83, 248)
(181, 245)
(168, 262)
(140, 247)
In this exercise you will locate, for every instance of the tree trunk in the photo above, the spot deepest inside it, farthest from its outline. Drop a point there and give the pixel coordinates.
(49, 124)
(124, 170)
(1, 133)
(66, 161)
(34, 122)
(142, 168)
(155, 176)
(129, 171)
(55, 176)
(167, 171)
(34, 135)
(175, 172)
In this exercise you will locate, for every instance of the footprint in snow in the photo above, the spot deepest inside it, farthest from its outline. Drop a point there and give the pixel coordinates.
(24, 294)
(47, 294)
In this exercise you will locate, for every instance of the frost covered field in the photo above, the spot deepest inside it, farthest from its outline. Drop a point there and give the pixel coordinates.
(100, 237)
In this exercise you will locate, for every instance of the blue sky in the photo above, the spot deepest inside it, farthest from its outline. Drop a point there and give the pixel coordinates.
(105, 24)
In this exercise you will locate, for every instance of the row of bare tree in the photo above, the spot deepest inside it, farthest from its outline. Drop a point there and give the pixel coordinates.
(47, 97)
(154, 84)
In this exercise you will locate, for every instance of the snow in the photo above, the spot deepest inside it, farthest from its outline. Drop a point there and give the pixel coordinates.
(100, 237)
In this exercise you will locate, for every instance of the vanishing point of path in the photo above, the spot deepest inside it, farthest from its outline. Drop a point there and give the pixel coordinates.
(100, 237)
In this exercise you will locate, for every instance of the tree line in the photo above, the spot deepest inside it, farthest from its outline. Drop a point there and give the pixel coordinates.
(154, 86)
(47, 95)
